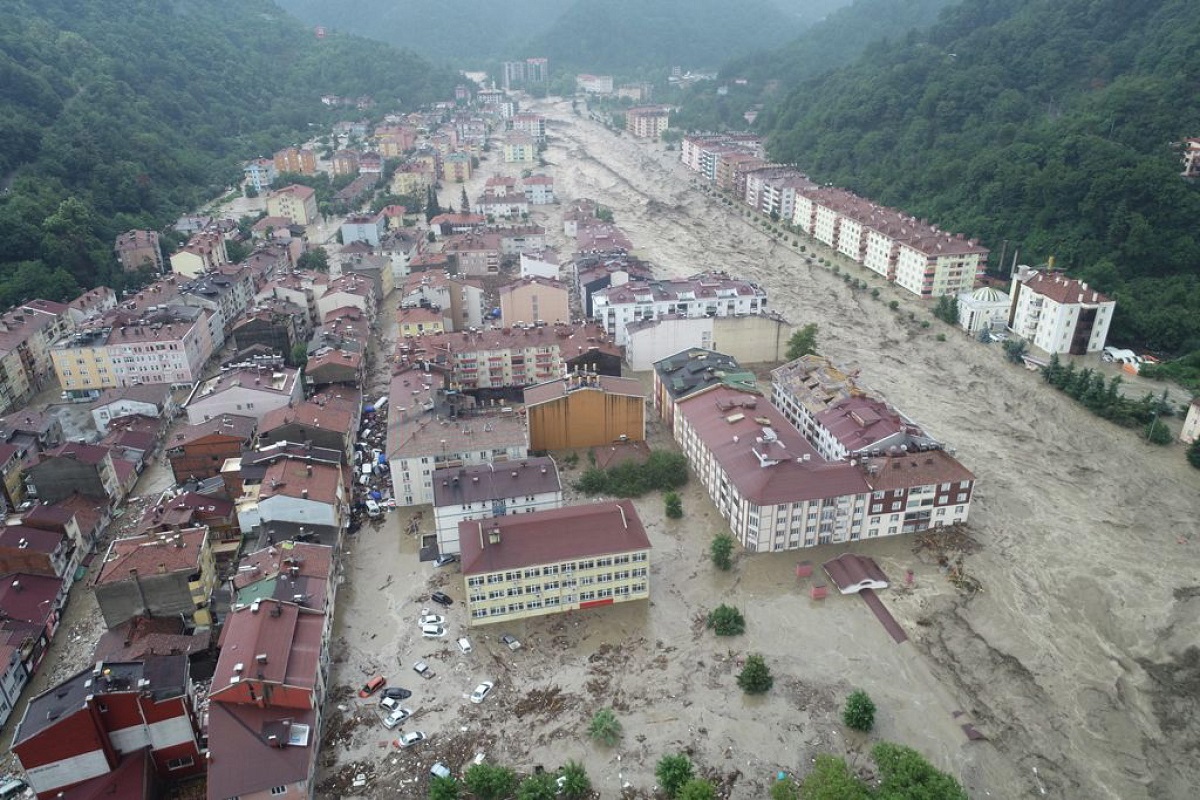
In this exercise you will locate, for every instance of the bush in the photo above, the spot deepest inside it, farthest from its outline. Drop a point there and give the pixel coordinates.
(785, 789)
(1193, 454)
(663, 470)
(443, 789)
(538, 787)
(874, 294)
(859, 713)
(488, 782)
(1158, 433)
(726, 621)
(576, 783)
(755, 677)
(673, 772)
(674, 506)
(721, 551)
(697, 789)
(605, 727)
(894, 304)
(941, 337)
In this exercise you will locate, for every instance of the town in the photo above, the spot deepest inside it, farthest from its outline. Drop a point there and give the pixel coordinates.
(226, 490)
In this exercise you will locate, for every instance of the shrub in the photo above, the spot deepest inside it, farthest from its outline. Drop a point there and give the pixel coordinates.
(489, 782)
(874, 294)
(605, 727)
(673, 772)
(1193, 454)
(924, 324)
(443, 789)
(941, 337)
(894, 304)
(1158, 433)
(697, 789)
(674, 506)
(859, 713)
(755, 677)
(785, 789)
(538, 787)
(576, 783)
(726, 621)
(721, 551)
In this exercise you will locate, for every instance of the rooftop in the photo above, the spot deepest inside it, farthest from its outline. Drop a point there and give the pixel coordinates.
(281, 381)
(141, 637)
(233, 425)
(158, 394)
(547, 537)
(486, 482)
(1061, 289)
(291, 477)
(152, 554)
(270, 641)
(561, 387)
(246, 760)
(922, 468)
(706, 286)
(689, 371)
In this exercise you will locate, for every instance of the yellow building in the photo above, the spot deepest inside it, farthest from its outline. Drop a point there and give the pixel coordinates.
(546, 562)
(584, 410)
(535, 299)
(410, 181)
(456, 167)
(83, 363)
(420, 321)
(520, 148)
(297, 203)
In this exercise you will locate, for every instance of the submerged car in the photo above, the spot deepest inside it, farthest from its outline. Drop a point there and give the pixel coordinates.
(481, 692)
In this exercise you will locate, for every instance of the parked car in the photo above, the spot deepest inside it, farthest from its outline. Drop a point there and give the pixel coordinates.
(441, 598)
(396, 717)
(433, 631)
(373, 509)
(409, 739)
(481, 692)
(422, 669)
(510, 641)
(372, 686)
(464, 644)
(443, 560)
(439, 770)
(396, 693)
(431, 619)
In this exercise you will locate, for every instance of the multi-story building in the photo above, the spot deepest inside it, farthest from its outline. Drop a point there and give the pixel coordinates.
(139, 249)
(457, 166)
(475, 254)
(26, 335)
(296, 160)
(495, 204)
(594, 84)
(350, 291)
(204, 252)
(367, 228)
(750, 339)
(482, 492)
(548, 562)
(260, 174)
(327, 419)
(707, 294)
(937, 263)
(274, 323)
(418, 321)
(539, 189)
(537, 70)
(460, 300)
(115, 729)
(301, 288)
(647, 122)
(532, 124)
(296, 491)
(1191, 423)
(198, 451)
(249, 391)
(535, 300)
(154, 400)
(540, 264)
(519, 148)
(343, 162)
(1058, 314)
(73, 468)
(585, 410)
(517, 239)
(687, 372)
(297, 203)
(158, 575)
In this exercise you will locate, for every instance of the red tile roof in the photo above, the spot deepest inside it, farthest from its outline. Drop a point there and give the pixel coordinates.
(547, 537)
(915, 469)
(1061, 289)
(152, 554)
(291, 477)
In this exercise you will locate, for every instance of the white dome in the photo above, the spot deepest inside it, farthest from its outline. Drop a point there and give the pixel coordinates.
(987, 294)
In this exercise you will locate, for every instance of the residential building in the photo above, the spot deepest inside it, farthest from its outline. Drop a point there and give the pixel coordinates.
(474, 254)
(460, 300)
(329, 366)
(260, 174)
(516, 239)
(204, 252)
(149, 399)
(81, 517)
(749, 339)
(139, 249)
(24, 548)
(302, 288)
(535, 300)
(194, 510)
(539, 264)
(594, 84)
(296, 160)
(300, 492)
(71, 468)
(1191, 423)
(31, 606)
(519, 148)
(276, 324)
(350, 291)
(419, 321)
(380, 270)
(647, 122)
(707, 294)
(502, 206)
(637, 92)
(327, 419)
(116, 729)
(585, 410)
(249, 391)
(12, 475)
(158, 575)
(938, 263)
(986, 308)
(532, 124)
(537, 70)
(410, 180)
(367, 228)
(689, 371)
(482, 492)
(539, 189)
(26, 335)
(343, 162)
(548, 562)
(1191, 157)
(457, 167)
(197, 451)
(1058, 314)
(444, 225)
(297, 203)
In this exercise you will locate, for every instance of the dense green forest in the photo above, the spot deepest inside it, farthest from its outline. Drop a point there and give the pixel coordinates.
(1052, 126)
(123, 113)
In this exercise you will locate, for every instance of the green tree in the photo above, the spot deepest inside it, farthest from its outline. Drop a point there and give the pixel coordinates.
(947, 309)
(538, 787)
(721, 551)
(674, 506)
(315, 259)
(576, 784)
(697, 789)
(859, 713)
(444, 789)
(904, 773)
(1158, 433)
(432, 209)
(490, 782)
(755, 677)
(802, 342)
(299, 355)
(605, 727)
(1015, 350)
(726, 621)
(604, 214)
(785, 789)
(1193, 454)
(237, 251)
(831, 779)
(464, 202)
(673, 772)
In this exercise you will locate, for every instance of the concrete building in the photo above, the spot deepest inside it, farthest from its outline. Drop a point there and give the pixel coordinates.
(594, 84)
(204, 252)
(583, 410)
(198, 451)
(295, 491)
(260, 174)
(27, 334)
(474, 254)
(296, 160)
(534, 300)
(139, 249)
(1191, 423)
(73, 468)
(367, 228)
(1057, 314)
(251, 392)
(459, 300)
(706, 294)
(149, 399)
(548, 562)
(158, 575)
(532, 124)
(647, 122)
(540, 264)
(461, 494)
(327, 419)
(297, 203)
(519, 148)
(689, 371)
(750, 339)
(986, 308)
(539, 189)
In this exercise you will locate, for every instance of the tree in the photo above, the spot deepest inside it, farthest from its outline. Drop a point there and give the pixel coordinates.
(947, 309)
(432, 209)
(803, 342)
(316, 259)
(697, 789)
(674, 506)
(721, 551)
(464, 203)
(538, 787)
(576, 783)
(1015, 350)
(755, 677)
(299, 355)
(489, 782)
(904, 773)
(444, 789)
(237, 251)
(726, 621)
(785, 789)
(605, 727)
(673, 772)
(831, 779)
(859, 713)
(1158, 433)
(1193, 454)
(604, 214)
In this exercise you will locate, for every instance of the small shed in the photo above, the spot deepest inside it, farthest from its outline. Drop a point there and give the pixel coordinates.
(852, 573)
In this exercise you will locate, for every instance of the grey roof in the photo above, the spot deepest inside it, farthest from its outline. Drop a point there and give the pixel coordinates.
(487, 482)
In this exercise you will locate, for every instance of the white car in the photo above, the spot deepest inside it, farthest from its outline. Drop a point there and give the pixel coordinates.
(433, 631)
(481, 692)
(409, 739)
(464, 644)
(396, 717)
(431, 619)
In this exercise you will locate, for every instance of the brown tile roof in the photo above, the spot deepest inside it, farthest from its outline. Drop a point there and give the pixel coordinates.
(237, 736)
(291, 641)
(146, 636)
(1061, 289)
(485, 482)
(291, 477)
(546, 537)
(83, 453)
(234, 425)
(175, 552)
(915, 469)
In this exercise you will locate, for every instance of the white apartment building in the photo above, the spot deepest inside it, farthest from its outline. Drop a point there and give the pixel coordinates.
(1058, 314)
(489, 490)
(708, 294)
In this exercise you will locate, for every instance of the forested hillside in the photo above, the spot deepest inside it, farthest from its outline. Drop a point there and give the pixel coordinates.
(833, 42)
(1052, 124)
(123, 113)
(625, 35)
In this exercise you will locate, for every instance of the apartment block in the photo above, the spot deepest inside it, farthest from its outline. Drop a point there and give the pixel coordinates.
(296, 160)
(535, 300)
(139, 249)
(297, 203)
(462, 494)
(706, 294)
(647, 122)
(1058, 314)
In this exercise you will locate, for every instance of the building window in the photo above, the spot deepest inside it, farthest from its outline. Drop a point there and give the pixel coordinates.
(278, 790)
(962, 498)
(180, 763)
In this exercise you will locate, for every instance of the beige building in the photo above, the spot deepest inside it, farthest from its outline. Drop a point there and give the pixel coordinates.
(749, 338)
(296, 160)
(204, 252)
(519, 148)
(647, 122)
(535, 300)
(138, 249)
(547, 562)
(297, 203)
